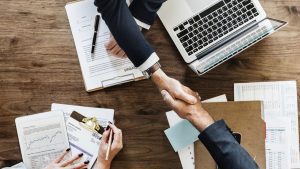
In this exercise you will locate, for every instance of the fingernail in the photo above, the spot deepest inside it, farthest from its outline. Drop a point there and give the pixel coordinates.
(80, 155)
(86, 162)
(107, 128)
(163, 92)
(109, 122)
(68, 149)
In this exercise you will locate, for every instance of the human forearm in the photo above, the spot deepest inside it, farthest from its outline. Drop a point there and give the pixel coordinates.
(200, 119)
(100, 165)
(125, 30)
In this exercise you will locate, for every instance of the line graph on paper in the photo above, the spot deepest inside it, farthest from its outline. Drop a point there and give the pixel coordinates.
(46, 135)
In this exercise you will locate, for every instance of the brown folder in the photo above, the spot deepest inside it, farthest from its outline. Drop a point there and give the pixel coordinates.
(244, 118)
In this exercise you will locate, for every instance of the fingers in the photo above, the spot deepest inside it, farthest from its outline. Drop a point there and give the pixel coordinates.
(121, 53)
(191, 92)
(81, 165)
(61, 157)
(116, 51)
(105, 137)
(111, 44)
(74, 158)
(117, 142)
(114, 48)
(188, 97)
(168, 98)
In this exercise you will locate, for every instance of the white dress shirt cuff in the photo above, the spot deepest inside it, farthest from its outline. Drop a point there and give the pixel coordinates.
(142, 24)
(149, 62)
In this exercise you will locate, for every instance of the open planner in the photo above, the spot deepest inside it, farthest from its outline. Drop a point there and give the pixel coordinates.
(100, 70)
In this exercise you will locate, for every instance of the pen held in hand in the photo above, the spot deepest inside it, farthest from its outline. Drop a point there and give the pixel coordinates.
(109, 144)
(96, 27)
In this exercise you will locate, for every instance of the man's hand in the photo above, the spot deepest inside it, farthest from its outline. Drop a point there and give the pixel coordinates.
(194, 113)
(114, 49)
(174, 87)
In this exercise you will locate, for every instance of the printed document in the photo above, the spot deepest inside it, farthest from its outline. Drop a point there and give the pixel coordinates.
(42, 138)
(100, 70)
(280, 100)
(278, 143)
(88, 145)
(83, 140)
(103, 115)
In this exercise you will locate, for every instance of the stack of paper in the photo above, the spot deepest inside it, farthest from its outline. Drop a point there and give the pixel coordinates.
(187, 154)
(281, 116)
(44, 136)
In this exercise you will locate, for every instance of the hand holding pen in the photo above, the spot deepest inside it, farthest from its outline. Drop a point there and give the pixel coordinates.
(111, 142)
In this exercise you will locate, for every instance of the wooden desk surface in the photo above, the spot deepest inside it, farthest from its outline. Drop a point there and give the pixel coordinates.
(39, 66)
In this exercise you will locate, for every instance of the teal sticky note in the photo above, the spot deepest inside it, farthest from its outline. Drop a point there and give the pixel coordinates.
(182, 135)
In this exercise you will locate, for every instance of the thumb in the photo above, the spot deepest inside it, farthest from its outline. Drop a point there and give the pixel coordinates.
(105, 136)
(168, 98)
(187, 97)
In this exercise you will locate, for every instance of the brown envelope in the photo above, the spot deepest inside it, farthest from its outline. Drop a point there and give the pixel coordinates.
(244, 118)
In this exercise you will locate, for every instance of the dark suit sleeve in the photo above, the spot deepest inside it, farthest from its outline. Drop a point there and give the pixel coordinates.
(225, 150)
(123, 27)
(145, 10)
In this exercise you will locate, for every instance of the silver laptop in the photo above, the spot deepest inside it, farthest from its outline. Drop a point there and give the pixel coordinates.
(209, 32)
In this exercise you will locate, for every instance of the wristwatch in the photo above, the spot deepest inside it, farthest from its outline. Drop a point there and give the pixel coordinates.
(149, 72)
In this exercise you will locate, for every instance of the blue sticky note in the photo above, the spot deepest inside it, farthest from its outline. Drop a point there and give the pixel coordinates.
(182, 135)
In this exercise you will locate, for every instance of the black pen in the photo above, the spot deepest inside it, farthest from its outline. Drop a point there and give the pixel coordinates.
(96, 26)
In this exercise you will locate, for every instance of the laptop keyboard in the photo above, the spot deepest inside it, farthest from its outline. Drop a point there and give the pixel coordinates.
(214, 23)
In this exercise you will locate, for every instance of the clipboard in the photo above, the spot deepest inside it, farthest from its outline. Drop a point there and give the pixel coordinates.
(89, 123)
(84, 135)
(102, 71)
(117, 81)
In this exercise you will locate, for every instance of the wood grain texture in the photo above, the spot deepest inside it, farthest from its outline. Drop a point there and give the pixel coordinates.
(39, 66)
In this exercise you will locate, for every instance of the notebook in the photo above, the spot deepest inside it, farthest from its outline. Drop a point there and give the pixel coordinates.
(244, 118)
(100, 70)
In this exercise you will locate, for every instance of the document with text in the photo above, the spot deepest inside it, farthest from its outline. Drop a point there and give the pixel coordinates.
(99, 70)
(278, 143)
(102, 115)
(280, 101)
(42, 137)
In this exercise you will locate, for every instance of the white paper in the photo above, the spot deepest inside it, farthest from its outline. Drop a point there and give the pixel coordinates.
(42, 138)
(278, 143)
(103, 115)
(100, 70)
(83, 141)
(187, 155)
(280, 100)
(20, 165)
(277, 157)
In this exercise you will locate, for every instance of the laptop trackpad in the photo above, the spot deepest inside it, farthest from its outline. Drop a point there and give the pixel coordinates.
(200, 5)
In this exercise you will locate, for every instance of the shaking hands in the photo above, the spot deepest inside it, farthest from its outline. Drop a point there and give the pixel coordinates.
(185, 102)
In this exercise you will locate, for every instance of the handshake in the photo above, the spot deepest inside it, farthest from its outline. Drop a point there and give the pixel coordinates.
(185, 102)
